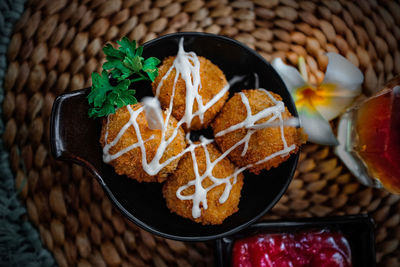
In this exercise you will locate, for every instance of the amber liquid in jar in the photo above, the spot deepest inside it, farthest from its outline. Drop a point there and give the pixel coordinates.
(378, 130)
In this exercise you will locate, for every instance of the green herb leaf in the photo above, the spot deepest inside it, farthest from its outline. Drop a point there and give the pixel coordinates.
(124, 66)
(100, 87)
(134, 64)
(127, 47)
(139, 51)
(118, 69)
(150, 67)
(112, 53)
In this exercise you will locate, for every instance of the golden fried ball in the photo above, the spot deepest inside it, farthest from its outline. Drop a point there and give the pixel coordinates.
(130, 163)
(263, 142)
(212, 81)
(216, 212)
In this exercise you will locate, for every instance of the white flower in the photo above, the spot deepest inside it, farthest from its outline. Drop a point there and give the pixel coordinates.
(317, 105)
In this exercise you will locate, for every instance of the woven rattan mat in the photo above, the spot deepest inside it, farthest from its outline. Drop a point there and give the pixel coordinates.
(57, 44)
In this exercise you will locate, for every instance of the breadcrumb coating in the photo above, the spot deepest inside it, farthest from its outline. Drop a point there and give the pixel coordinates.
(263, 142)
(216, 212)
(213, 81)
(130, 163)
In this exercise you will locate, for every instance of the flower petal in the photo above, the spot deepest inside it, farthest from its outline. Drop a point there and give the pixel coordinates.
(343, 73)
(341, 85)
(290, 75)
(317, 128)
(335, 101)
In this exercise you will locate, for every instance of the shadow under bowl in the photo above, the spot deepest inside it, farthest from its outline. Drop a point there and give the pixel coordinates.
(75, 137)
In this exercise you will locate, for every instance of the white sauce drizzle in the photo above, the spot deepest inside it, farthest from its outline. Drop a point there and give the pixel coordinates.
(199, 197)
(153, 113)
(256, 81)
(187, 65)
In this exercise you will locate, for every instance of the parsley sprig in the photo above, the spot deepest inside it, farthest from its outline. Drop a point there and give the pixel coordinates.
(124, 66)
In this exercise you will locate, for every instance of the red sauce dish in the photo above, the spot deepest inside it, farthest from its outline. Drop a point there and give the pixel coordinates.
(311, 248)
(347, 241)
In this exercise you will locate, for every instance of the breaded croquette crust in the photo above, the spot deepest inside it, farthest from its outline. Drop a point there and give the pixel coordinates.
(216, 212)
(213, 81)
(263, 142)
(130, 163)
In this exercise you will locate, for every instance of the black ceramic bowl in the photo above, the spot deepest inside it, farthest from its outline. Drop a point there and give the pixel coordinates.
(357, 229)
(75, 137)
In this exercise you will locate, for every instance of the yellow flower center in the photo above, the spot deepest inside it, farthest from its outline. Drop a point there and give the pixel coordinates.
(311, 96)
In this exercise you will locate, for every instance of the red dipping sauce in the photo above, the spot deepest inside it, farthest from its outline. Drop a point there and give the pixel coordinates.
(319, 249)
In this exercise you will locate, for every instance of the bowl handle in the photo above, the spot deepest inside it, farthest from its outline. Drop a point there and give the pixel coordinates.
(73, 135)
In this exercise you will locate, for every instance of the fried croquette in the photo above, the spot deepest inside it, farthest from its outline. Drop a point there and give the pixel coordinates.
(216, 212)
(130, 162)
(212, 80)
(263, 142)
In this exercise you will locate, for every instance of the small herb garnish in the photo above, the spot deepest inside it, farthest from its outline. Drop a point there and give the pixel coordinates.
(124, 66)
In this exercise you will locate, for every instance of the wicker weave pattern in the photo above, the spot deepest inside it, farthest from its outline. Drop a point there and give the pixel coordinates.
(57, 45)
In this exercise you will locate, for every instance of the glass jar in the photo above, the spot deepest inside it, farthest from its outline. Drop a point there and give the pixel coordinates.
(369, 136)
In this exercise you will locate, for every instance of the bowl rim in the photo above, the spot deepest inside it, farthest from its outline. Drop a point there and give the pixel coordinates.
(110, 194)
